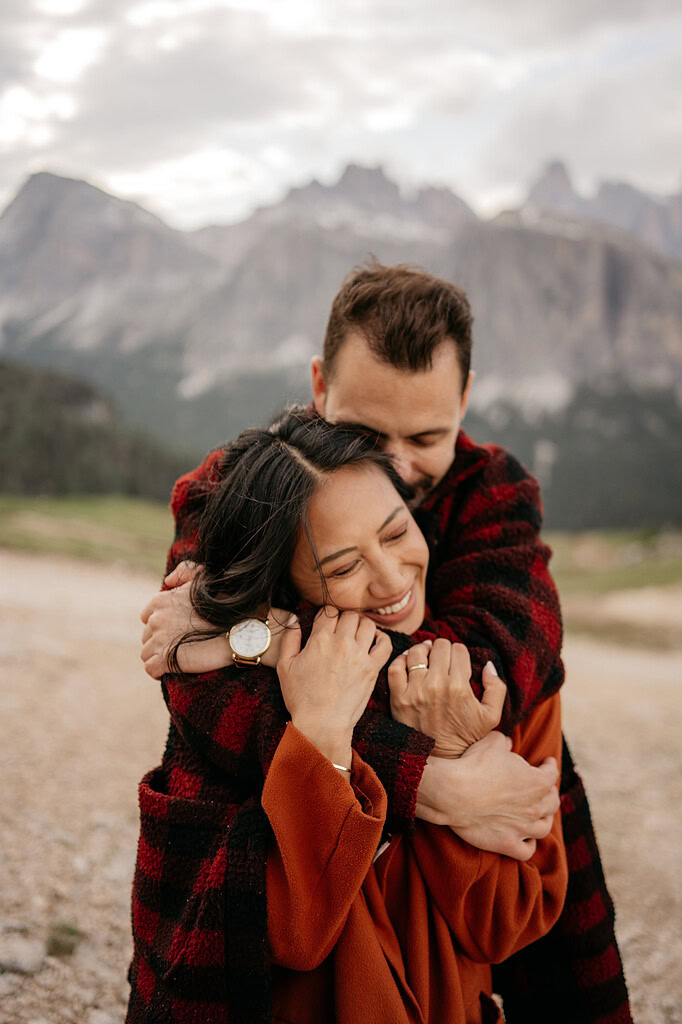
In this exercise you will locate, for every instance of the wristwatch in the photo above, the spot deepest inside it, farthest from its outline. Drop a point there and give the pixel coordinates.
(249, 640)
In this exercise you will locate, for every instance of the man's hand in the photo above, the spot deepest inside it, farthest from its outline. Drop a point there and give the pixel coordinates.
(491, 798)
(431, 691)
(170, 615)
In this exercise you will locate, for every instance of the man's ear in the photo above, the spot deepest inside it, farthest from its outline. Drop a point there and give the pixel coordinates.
(465, 395)
(319, 385)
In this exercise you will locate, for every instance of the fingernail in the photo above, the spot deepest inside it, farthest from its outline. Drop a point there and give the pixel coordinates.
(429, 643)
(491, 668)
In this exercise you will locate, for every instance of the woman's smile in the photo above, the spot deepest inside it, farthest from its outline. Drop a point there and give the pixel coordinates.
(395, 612)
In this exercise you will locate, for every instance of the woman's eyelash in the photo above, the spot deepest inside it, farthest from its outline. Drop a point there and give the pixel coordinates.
(345, 572)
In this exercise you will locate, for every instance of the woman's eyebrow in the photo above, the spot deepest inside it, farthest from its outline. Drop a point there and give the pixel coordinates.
(347, 551)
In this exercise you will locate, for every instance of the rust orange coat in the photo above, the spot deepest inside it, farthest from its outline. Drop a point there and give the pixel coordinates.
(408, 938)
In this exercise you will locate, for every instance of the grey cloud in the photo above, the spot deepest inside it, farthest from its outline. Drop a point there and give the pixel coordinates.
(236, 80)
(622, 126)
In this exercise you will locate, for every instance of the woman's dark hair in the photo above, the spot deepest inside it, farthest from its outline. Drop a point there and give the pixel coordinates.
(253, 518)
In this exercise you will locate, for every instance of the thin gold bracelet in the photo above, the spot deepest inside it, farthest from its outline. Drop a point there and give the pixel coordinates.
(341, 768)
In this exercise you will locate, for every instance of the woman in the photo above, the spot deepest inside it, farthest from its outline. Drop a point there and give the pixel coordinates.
(264, 863)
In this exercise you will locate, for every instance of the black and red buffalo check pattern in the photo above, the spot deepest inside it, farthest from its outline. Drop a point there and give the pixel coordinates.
(199, 904)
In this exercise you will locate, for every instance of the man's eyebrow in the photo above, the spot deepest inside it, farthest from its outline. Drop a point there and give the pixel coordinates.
(431, 432)
(347, 551)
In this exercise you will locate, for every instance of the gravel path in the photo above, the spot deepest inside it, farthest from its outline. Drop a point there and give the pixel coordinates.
(80, 722)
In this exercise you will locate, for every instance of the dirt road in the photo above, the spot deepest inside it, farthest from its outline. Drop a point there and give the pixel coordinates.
(80, 722)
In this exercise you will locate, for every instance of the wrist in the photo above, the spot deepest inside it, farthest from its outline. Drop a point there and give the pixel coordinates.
(441, 793)
(334, 744)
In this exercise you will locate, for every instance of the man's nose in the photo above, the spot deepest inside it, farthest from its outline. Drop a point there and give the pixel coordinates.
(402, 463)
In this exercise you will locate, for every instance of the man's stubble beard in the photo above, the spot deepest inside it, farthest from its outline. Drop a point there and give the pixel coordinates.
(422, 490)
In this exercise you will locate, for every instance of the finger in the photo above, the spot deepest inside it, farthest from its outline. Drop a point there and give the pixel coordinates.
(381, 652)
(183, 572)
(460, 664)
(523, 849)
(325, 620)
(418, 655)
(551, 770)
(530, 845)
(147, 610)
(541, 828)
(155, 667)
(439, 658)
(494, 693)
(146, 633)
(397, 676)
(367, 630)
(151, 649)
(550, 804)
(347, 625)
(290, 644)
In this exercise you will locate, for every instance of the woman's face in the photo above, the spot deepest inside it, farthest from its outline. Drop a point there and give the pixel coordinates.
(372, 553)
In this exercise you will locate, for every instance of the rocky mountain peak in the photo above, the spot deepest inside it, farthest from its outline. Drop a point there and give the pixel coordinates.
(369, 187)
(652, 219)
(554, 190)
(59, 235)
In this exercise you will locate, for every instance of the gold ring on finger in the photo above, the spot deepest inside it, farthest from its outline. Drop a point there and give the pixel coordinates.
(422, 664)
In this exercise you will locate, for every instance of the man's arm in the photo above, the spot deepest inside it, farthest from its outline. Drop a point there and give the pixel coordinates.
(490, 587)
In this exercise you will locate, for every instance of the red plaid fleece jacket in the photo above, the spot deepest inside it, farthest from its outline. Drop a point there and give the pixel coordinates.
(489, 587)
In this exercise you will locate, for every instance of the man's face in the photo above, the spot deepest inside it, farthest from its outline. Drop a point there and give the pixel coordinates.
(415, 414)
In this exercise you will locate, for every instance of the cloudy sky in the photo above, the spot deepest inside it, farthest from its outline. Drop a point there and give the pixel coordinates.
(203, 109)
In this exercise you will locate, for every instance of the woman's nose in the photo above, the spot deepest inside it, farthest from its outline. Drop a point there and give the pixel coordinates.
(388, 579)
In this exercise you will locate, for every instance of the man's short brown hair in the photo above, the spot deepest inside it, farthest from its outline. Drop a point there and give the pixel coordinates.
(403, 313)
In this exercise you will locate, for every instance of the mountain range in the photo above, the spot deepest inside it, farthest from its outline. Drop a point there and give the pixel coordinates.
(196, 334)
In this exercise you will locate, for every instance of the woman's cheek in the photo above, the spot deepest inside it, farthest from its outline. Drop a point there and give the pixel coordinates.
(343, 595)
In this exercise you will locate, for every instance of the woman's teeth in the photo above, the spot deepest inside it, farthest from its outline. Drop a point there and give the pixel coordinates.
(393, 608)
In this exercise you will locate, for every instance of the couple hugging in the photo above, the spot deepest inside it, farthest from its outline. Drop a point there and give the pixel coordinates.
(357, 813)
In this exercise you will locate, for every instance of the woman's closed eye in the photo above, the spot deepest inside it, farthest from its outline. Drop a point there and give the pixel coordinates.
(344, 572)
(348, 569)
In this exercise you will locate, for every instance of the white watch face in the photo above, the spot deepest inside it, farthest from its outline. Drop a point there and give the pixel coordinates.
(250, 638)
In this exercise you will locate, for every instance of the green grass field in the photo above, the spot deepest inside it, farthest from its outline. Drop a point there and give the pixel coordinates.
(137, 533)
(106, 529)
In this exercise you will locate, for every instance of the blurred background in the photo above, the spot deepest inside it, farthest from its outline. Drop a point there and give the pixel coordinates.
(184, 186)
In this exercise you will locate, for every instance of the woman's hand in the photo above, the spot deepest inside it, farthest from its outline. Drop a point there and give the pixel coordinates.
(170, 615)
(326, 686)
(430, 690)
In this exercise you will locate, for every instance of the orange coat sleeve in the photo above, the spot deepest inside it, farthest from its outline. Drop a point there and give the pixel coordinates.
(326, 833)
(493, 904)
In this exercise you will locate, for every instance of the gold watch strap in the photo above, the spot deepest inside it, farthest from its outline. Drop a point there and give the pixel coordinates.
(237, 659)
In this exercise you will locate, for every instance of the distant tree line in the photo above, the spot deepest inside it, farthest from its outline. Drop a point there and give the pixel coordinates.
(59, 435)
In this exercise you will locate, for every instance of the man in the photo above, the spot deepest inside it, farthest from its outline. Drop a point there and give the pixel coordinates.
(396, 359)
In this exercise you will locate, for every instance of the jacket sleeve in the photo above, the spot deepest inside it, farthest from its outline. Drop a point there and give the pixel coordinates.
(326, 834)
(189, 496)
(492, 589)
(493, 904)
